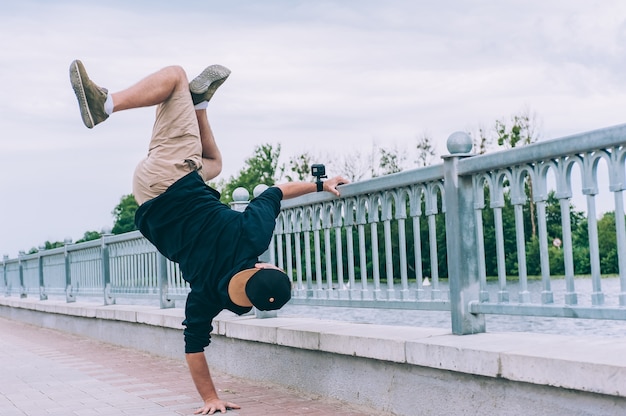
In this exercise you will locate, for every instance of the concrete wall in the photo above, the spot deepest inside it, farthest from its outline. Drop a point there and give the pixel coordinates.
(398, 370)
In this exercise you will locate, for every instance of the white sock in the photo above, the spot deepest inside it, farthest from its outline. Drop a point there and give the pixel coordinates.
(108, 105)
(201, 106)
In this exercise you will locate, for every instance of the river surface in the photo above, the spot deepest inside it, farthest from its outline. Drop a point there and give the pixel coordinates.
(494, 323)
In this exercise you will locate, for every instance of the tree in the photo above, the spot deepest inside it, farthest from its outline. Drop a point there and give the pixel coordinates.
(482, 141)
(522, 131)
(356, 165)
(260, 168)
(89, 235)
(607, 244)
(391, 160)
(425, 150)
(300, 167)
(124, 215)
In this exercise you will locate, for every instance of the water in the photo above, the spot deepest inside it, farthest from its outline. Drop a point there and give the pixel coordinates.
(494, 323)
(437, 319)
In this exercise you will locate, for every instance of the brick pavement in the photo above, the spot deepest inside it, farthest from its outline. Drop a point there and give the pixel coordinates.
(47, 372)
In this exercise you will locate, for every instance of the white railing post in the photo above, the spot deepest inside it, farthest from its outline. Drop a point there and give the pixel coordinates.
(70, 297)
(42, 286)
(4, 274)
(109, 299)
(461, 239)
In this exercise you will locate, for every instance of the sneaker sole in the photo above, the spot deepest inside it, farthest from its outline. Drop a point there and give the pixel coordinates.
(77, 86)
(209, 80)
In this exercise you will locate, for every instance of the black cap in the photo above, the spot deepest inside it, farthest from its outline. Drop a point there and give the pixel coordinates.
(265, 289)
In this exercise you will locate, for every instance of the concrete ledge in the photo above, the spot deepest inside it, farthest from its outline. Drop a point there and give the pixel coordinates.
(593, 365)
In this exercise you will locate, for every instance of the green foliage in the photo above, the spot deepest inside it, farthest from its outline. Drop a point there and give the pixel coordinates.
(300, 167)
(89, 235)
(391, 160)
(607, 242)
(520, 131)
(425, 150)
(124, 215)
(260, 168)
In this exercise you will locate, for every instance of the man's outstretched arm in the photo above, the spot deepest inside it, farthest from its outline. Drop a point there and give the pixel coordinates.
(296, 189)
(204, 384)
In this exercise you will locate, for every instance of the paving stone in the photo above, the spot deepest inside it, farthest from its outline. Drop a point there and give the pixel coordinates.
(52, 373)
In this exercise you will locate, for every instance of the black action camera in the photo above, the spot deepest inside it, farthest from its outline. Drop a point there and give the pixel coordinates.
(319, 171)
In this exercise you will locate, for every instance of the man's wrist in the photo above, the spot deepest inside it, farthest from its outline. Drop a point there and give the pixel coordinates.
(319, 185)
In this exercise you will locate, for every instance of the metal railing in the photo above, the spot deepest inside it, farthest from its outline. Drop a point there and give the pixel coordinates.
(385, 241)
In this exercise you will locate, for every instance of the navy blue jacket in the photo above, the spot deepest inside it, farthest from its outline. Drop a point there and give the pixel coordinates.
(211, 242)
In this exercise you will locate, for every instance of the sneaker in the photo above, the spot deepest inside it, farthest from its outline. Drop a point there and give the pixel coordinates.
(204, 85)
(91, 97)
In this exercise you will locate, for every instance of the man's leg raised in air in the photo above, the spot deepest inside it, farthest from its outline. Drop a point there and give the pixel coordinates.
(211, 155)
(96, 104)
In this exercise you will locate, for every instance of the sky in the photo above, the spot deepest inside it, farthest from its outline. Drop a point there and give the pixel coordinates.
(324, 77)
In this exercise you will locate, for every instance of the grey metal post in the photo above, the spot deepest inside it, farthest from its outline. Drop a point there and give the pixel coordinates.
(23, 293)
(461, 239)
(109, 299)
(4, 274)
(166, 302)
(42, 286)
(69, 294)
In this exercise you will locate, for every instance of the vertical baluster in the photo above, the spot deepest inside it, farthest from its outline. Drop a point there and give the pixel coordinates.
(540, 197)
(386, 217)
(348, 221)
(279, 249)
(547, 296)
(307, 263)
(308, 272)
(361, 221)
(590, 190)
(518, 199)
(617, 172)
(416, 213)
(298, 237)
(337, 222)
(318, 260)
(431, 211)
(401, 217)
(620, 229)
(479, 206)
(289, 254)
(524, 295)
(564, 195)
(373, 220)
(497, 203)
(318, 250)
(571, 297)
(328, 260)
(388, 259)
(503, 293)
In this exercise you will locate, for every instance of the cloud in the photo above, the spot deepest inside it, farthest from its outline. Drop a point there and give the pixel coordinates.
(326, 76)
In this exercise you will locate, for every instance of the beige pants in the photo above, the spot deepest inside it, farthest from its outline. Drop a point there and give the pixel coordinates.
(175, 148)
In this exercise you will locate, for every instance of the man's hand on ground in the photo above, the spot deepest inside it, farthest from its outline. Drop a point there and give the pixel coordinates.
(212, 406)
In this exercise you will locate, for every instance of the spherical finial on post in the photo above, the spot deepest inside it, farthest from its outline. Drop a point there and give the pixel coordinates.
(240, 199)
(259, 189)
(241, 195)
(459, 142)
